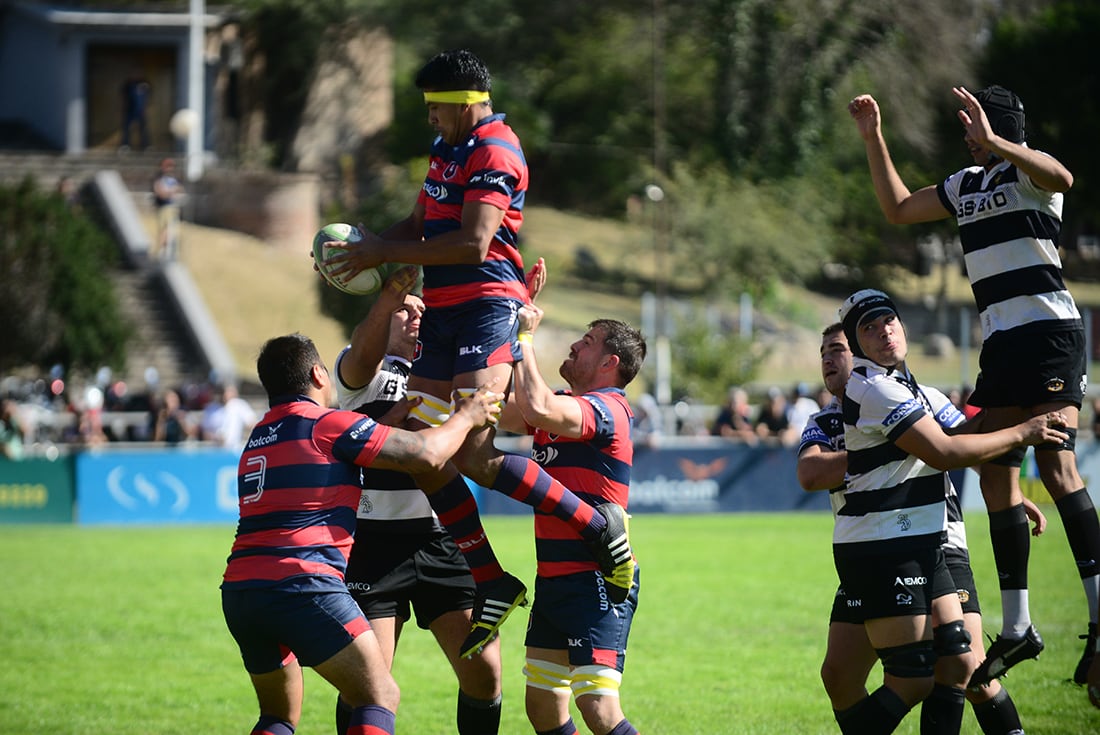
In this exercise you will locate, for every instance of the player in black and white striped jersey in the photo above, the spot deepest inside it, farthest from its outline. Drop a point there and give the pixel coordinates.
(1009, 209)
(849, 657)
(891, 519)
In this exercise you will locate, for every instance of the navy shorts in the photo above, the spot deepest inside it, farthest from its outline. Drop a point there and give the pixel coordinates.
(900, 584)
(467, 337)
(393, 574)
(1027, 368)
(270, 623)
(572, 613)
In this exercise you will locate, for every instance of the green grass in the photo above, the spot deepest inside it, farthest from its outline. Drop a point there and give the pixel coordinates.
(120, 630)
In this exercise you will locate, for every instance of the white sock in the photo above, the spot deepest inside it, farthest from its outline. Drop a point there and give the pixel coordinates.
(1017, 614)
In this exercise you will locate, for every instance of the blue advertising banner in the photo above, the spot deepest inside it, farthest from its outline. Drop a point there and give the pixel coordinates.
(177, 485)
(701, 475)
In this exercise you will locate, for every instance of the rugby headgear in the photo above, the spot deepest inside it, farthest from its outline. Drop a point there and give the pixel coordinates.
(1005, 112)
(860, 308)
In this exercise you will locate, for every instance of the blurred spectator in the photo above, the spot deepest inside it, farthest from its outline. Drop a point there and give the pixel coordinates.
(227, 419)
(772, 421)
(169, 423)
(11, 430)
(734, 419)
(802, 407)
(824, 397)
(648, 423)
(167, 190)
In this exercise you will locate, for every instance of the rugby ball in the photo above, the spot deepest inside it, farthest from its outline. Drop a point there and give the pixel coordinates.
(363, 283)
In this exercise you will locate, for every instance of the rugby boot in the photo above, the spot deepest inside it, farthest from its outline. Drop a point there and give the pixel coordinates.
(613, 553)
(1081, 673)
(492, 606)
(1004, 653)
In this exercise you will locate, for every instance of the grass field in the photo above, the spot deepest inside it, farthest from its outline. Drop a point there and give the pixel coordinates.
(119, 630)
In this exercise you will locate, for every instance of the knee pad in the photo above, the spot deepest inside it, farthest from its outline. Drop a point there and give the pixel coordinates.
(595, 679)
(431, 410)
(1067, 446)
(911, 661)
(546, 675)
(1011, 458)
(951, 639)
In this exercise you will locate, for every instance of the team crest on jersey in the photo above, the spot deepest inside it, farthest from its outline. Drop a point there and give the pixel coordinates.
(450, 171)
(544, 455)
(964, 595)
(417, 350)
(1056, 385)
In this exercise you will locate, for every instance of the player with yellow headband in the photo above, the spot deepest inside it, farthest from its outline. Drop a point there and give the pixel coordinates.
(464, 231)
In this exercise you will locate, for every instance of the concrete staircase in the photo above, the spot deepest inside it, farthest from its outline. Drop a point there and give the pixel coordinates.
(159, 338)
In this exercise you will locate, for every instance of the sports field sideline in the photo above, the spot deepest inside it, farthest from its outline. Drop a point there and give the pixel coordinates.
(120, 630)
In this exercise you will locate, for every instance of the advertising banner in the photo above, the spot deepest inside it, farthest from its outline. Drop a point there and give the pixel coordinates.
(36, 490)
(157, 486)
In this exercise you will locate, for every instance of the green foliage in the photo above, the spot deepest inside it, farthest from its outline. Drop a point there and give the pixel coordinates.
(58, 306)
(708, 357)
(1063, 114)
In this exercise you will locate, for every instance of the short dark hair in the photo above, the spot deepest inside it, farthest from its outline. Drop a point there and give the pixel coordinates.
(285, 365)
(626, 343)
(832, 329)
(457, 69)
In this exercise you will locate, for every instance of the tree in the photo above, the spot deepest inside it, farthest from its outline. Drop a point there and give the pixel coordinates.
(58, 307)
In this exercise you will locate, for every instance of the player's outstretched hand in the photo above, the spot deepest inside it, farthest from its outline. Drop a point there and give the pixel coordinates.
(481, 407)
(864, 110)
(972, 116)
(401, 281)
(529, 317)
(1045, 428)
(536, 279)
(1036, 517)
(355, 257)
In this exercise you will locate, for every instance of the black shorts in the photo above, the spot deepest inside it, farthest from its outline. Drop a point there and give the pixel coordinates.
(895, 584)
(1025, 368)
(389, 573)
(848, 609)
(958, 564)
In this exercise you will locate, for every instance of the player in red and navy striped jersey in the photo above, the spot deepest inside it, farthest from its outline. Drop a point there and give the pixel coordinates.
(576, 639)
(283, 593)
(464, 231)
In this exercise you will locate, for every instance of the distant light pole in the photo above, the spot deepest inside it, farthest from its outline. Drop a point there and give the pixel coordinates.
(196, 89)
(663, 356)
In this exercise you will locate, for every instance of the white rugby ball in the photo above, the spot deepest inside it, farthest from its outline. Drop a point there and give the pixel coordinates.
(363, 283)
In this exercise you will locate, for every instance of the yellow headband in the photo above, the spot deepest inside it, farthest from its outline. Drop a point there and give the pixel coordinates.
(457, 97)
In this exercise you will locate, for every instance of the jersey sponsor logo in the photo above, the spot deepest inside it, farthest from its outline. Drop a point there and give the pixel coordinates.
(1055, 385)
(901, 412)
(904, 523)
(904, 599)
(263, 441)
(499, 180)
(358, 586)
(910, 581)
(574, 642)
(981, 204)
(362, 428)
(544, 455)
(964, 596)
(855, 603)
(435, 191)
(598, 407)
(469, 350)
